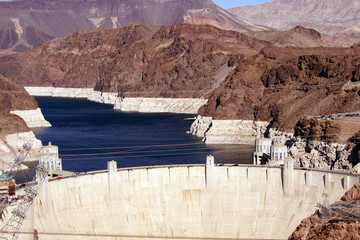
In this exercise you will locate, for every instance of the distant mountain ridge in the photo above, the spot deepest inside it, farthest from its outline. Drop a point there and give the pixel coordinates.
(337, 20)
(26, 23)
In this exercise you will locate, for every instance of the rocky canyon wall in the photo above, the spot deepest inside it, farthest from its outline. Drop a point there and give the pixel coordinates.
(18, 113)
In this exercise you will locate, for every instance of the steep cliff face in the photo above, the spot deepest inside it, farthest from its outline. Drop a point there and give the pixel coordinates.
(337, 20)
(14, 130)
(26, 23)
(13, 97)
(280, 85)
(137, 60)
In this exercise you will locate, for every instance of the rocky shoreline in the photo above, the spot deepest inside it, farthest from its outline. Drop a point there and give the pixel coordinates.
(306, 153)
(127, 104)
(227, 131)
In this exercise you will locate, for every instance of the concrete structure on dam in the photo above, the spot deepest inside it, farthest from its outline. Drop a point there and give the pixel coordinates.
(195, 201)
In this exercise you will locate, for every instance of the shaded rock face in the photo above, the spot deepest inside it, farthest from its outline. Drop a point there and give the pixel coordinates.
(355, 153)
(13, 97)
(137, 60)
(26, 23)
(337, 20)
(331, 225)
(318, 130)
(280, 85)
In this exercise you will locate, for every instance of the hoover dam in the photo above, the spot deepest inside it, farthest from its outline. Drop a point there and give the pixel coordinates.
(183, 202)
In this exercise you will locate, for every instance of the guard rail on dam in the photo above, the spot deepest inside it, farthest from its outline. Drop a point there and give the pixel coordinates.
(187, 202)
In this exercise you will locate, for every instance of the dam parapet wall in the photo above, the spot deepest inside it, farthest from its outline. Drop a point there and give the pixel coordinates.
(195, 201)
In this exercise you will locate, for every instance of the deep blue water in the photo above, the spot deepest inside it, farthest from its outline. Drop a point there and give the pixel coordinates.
(89, 134)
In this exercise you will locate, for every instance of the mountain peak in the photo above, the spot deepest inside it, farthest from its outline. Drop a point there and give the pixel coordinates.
(26, 23)
(336, 20)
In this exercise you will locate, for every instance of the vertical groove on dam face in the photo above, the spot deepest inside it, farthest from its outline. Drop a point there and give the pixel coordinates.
(240, 202)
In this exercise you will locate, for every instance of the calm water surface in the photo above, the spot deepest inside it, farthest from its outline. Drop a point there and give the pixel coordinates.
(90, 134)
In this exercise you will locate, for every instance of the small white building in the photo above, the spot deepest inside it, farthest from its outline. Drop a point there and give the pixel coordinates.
(278, 153)
(266, 153)
(263, 145)
(262, 150)
(49, 158)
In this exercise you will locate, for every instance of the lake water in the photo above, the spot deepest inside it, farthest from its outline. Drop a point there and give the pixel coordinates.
(90, 134)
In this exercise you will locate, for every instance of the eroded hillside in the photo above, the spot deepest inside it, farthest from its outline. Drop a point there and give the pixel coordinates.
(281, 85)
(243, 77)
(137, 60)
(13, 97)
(26, 23)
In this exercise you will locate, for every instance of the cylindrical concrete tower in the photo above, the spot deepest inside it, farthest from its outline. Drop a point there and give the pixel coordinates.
(262, 150)
(278, 152)
(263, 145)
(49, 158)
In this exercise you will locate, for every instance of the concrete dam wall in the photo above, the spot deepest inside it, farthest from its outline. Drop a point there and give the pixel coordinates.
(184, 201)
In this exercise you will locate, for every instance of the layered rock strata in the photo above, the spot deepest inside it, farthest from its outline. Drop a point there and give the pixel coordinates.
(126, 104)
(227, 131)
(60, 92)
(169, 105)
(235, 131)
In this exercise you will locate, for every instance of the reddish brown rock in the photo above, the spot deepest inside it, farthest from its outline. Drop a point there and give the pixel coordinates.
(280, 85)
(13, 97)
(26, 23)
(263, 82)
(137, 60)
(319, 130)
(342, 223)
